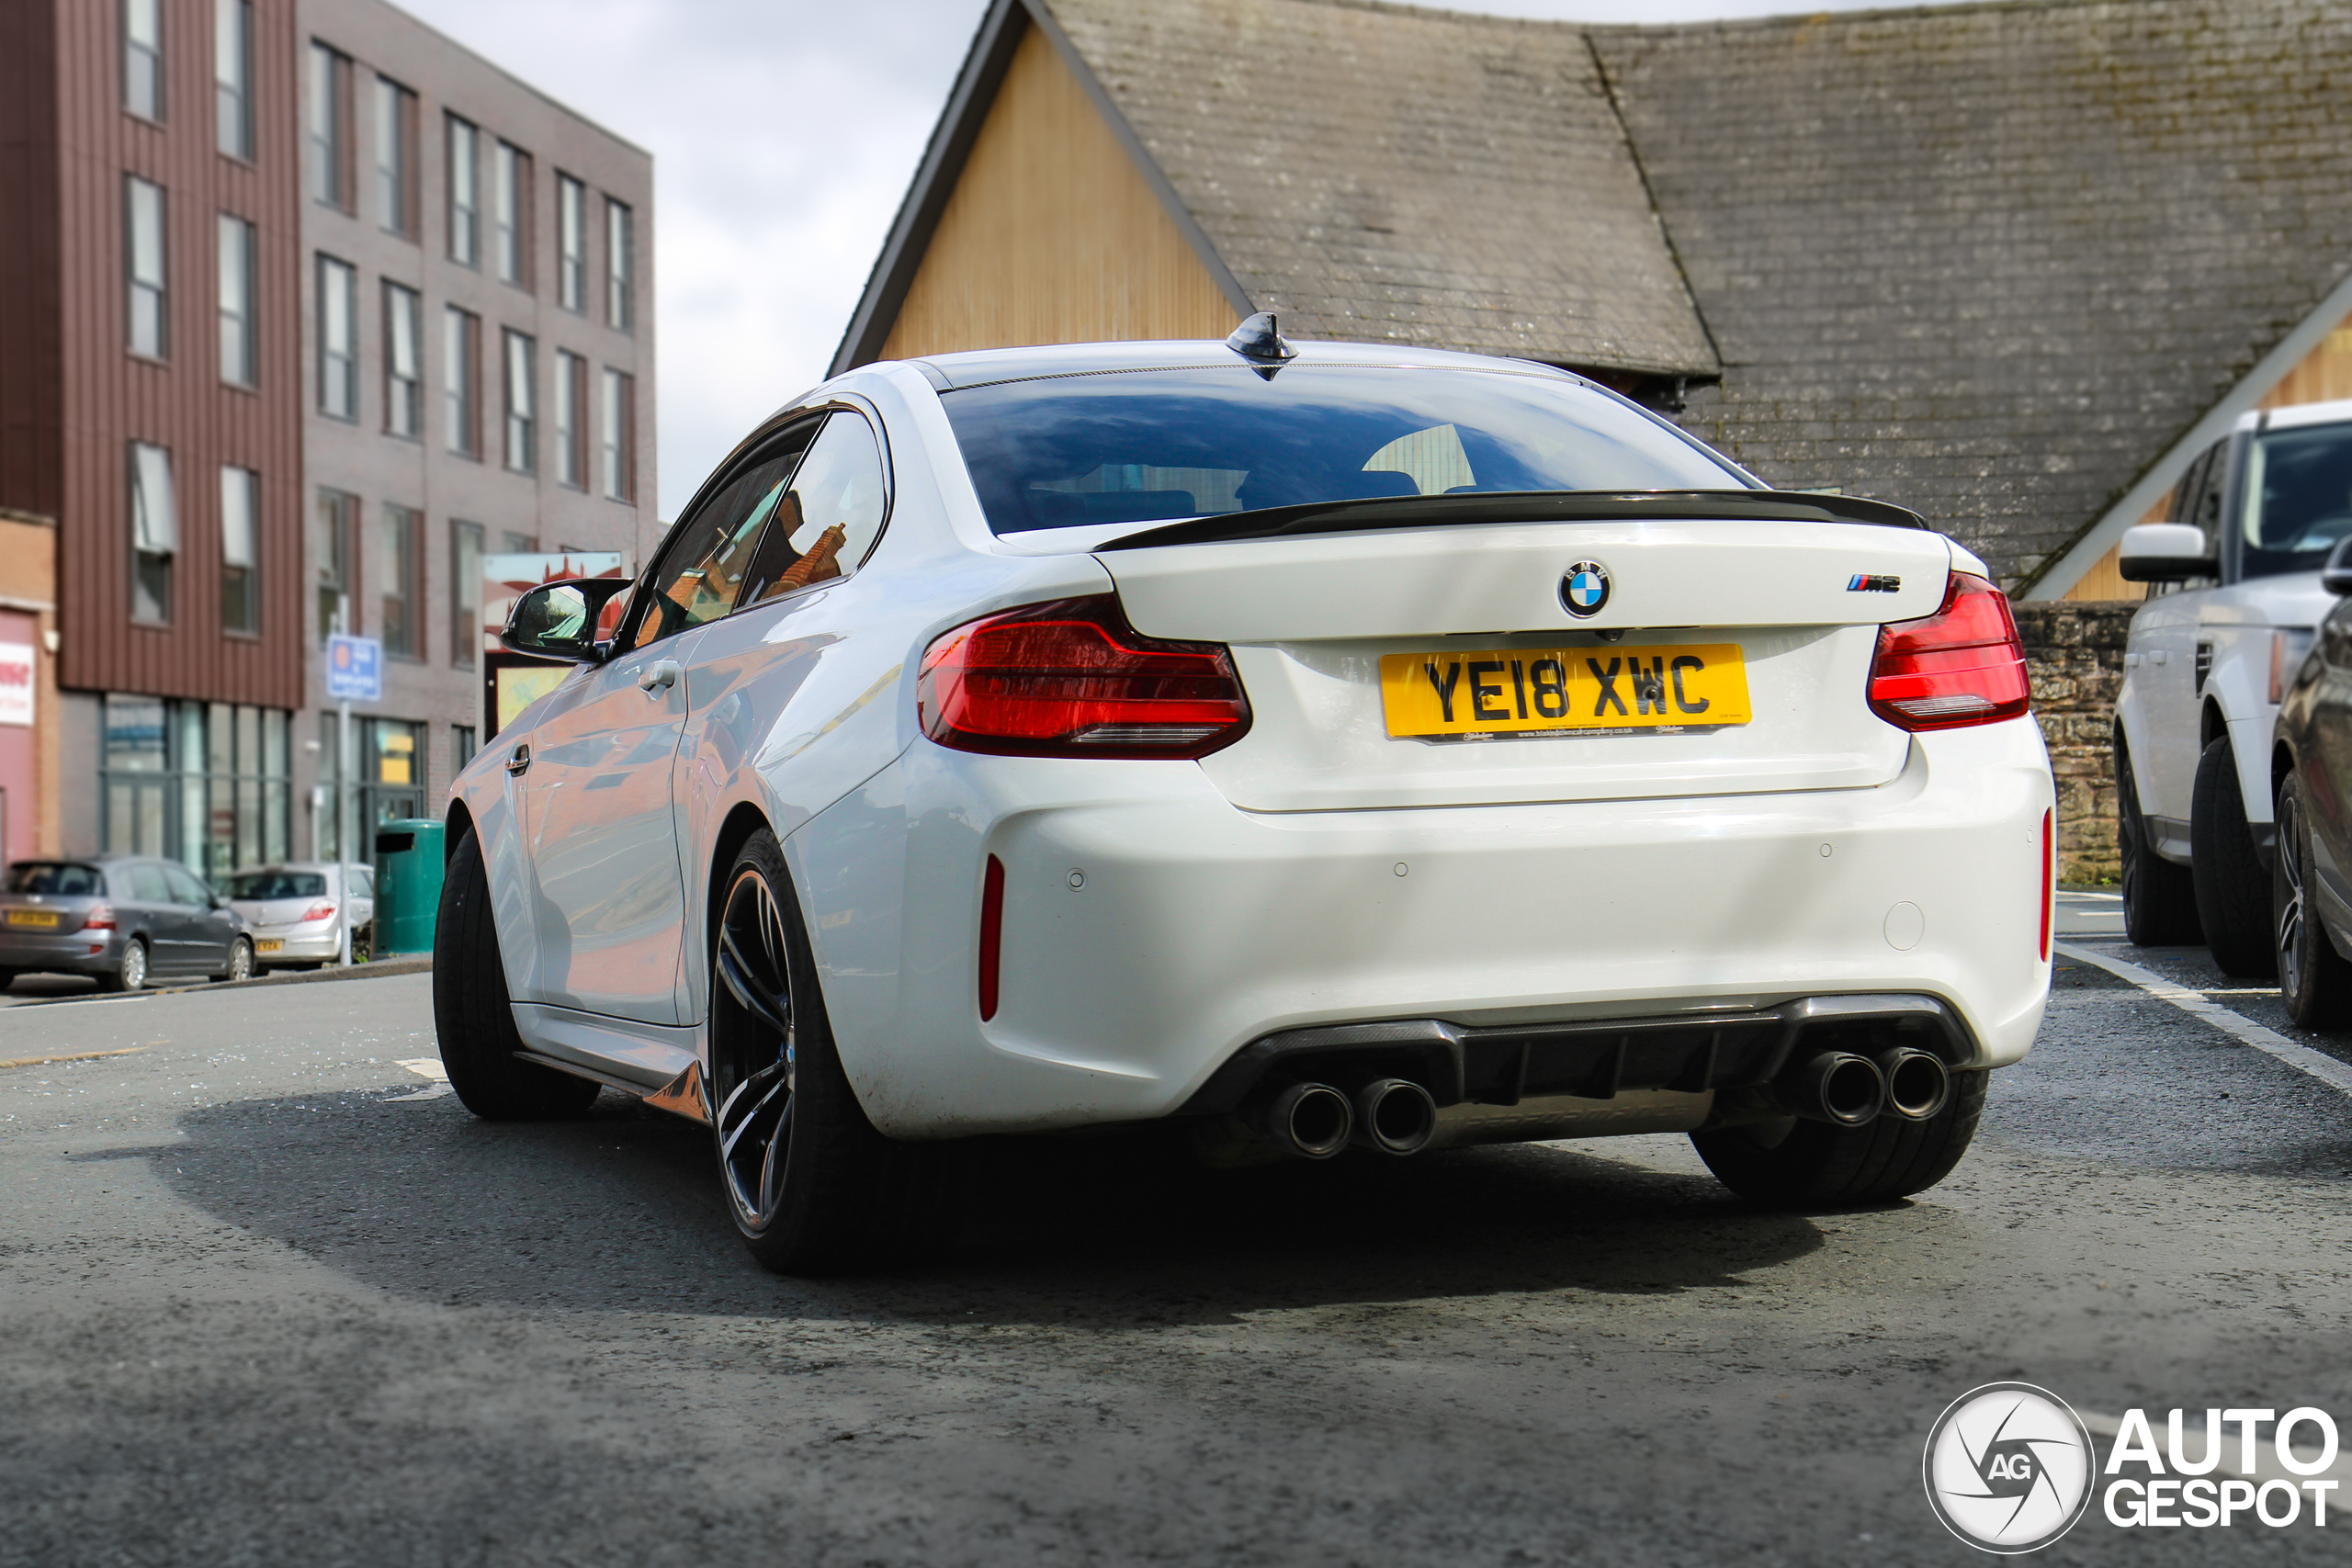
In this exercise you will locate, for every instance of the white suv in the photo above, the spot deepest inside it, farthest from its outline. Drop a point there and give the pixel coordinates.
(2236, 596)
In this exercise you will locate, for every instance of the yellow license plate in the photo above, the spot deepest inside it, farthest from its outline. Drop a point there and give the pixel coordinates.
(1531, 690)
(267, 947)
(44, 920)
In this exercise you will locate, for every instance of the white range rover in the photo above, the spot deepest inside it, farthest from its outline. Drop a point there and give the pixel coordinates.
(2235, 593)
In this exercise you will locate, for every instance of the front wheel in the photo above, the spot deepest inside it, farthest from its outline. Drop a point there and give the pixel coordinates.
(2232, 890)
(2314, 981)
(2159, 899)
(812, 1186)
(472, 1018)
(1804, 1164)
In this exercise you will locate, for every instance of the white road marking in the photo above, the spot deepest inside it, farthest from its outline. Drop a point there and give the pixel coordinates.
(426, 1067)
(2269, 1042)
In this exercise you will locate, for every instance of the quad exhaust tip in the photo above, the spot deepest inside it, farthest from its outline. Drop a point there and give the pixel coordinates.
(1835, 1087)
(1312, 1120)
(1918, 1085)
(1395, 1116)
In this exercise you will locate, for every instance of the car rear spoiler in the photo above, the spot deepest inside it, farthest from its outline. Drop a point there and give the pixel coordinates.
(1523, 506)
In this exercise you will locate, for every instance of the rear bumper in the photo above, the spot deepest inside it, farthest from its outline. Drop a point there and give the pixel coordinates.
(306, 947)
(70, 952)
(1151, 930)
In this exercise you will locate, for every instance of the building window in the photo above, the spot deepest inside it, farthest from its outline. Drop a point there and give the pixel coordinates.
(618, 446)
(620, 265)
(143, 223)
(154, 534)
(510, 199)
(571, 244)
(338, 580)
(232, 76)
(521, 418)
(397, 538)
(515, 544)
(396, 157)
(240, 550)
(204, 783)
(142, 58)
(462, 747)
(461, 379)
(465, 594)
(571, 428)
(338, 339)
(465, 191)
(330, 177)
(403, 361)
(240, 362)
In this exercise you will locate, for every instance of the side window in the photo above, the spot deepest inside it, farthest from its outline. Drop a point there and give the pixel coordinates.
(147, 884)
(702, 572)
(187, 889)
(2184, 496)
(2206, 505)
(829, 519)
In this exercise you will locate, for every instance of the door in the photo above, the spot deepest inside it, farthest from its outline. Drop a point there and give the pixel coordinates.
(207, 930)
(154, 914)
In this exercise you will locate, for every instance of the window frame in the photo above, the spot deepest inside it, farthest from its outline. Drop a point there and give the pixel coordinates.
(620, 264)
(465, 640)
(407, 589)
(232, 100)
(616, 436)
(241, 316)
(248, 585)
(404, 395)
(160, 286)
(510, 217)
(333, 179)
(134, 51)
(347, 371)
(339, 563)
(396, 182)
(461, 382)
(569, 425)
(162, 529)
(519, 421)
(464, 196)
(571, 244)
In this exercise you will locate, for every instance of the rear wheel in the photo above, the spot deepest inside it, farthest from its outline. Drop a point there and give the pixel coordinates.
(240, 962)
(471, 1015)
(1799, 1165)
(2232, 889)
(130, 973)
(2159, 899)
(2314, 981)
(812, 1186)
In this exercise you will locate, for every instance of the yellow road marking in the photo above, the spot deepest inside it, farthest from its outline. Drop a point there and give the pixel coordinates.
(76, 1057)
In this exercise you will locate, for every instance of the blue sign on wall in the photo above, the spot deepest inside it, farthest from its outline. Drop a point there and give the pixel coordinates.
(354, 669)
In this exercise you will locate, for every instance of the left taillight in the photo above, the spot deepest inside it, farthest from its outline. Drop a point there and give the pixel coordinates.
(321, 910)
(1071, 678)
(99, 919)
(1961, 665)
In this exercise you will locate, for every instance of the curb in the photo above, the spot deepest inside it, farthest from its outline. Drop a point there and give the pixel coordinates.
(384, 969)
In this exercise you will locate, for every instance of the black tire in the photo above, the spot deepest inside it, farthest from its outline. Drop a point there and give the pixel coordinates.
(2232, 889)
(1807, 1165)
(129, 974)
(241, 963)
(812, 1186)
(470, 1013)
(2315, 980)
(2159, 897)
(8, 978)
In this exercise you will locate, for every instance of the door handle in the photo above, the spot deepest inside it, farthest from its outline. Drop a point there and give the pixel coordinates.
(663, 675)
(520, 763)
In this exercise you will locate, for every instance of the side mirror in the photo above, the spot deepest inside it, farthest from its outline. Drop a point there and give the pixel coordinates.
(2165, 552)
(557, 620)
(2336, 575)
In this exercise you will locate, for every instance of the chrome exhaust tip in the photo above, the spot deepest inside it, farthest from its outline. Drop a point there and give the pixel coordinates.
(1395, 1116)
(1312, 1120)
(1919, 1084)
(1835, 1087)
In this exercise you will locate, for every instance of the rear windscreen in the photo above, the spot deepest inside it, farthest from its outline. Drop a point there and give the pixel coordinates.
(1158, 446)
(277, 884)
(57, 877)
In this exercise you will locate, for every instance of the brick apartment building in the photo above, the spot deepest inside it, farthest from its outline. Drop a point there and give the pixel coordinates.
(243, 233)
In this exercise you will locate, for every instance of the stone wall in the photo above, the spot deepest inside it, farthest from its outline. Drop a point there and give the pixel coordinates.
(2075, 654)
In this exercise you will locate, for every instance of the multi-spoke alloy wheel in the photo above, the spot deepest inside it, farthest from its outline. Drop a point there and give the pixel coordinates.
(813, 1187)
(2315, 980)
(753, 1080)
(2290, 898)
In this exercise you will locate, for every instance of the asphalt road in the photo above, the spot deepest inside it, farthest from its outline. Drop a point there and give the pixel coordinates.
(267, 1296)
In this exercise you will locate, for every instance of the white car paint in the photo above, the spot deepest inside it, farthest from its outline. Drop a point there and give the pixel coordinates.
(1160, 914)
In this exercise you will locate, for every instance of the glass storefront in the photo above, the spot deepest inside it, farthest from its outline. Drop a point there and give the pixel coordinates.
(389, 774)
(208, 784)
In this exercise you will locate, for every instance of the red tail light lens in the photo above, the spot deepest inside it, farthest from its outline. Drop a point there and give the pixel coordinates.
(99, 919)
(1071, 678)
(1961, 665)
(319, 912)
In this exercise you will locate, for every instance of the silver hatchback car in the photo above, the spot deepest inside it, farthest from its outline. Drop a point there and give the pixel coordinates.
(123, 920)
(292, 912)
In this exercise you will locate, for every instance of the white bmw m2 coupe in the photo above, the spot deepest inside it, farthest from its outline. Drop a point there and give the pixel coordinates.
(1314, 748)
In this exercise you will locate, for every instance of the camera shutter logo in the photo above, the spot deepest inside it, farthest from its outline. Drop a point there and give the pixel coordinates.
(1584, 590)
(2009, 1468)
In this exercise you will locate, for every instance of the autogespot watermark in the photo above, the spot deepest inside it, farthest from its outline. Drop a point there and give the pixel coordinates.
(2010, 1468)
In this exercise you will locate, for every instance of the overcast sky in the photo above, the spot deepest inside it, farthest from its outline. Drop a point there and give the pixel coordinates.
(784, 133)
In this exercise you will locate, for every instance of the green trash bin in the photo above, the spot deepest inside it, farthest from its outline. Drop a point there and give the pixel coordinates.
(408, 885)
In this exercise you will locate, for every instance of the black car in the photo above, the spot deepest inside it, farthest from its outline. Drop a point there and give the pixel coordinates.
(124, 919)
(2310, 883)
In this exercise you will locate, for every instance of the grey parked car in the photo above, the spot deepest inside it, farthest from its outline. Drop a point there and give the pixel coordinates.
(123, 919)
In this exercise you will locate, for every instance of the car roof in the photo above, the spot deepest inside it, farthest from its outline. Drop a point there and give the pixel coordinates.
(982, 366)
(2337, 412)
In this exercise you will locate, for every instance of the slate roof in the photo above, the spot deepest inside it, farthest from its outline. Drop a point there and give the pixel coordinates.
(1382, 173)
(1990, 261)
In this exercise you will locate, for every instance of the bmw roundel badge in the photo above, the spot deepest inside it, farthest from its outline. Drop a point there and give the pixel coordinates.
(1585, 590)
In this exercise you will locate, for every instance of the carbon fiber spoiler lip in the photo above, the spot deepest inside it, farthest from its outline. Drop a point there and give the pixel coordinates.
(1523, 506)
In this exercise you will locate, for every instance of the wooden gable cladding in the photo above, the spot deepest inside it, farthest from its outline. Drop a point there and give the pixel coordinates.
(1052, 235)
(101, 398)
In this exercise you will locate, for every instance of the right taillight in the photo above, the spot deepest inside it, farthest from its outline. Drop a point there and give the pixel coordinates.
(99, 919)
(1961, 665)
(319, 911)
(1071, 678)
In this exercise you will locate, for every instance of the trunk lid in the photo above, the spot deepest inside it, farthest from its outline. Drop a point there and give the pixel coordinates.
(1310, 618)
